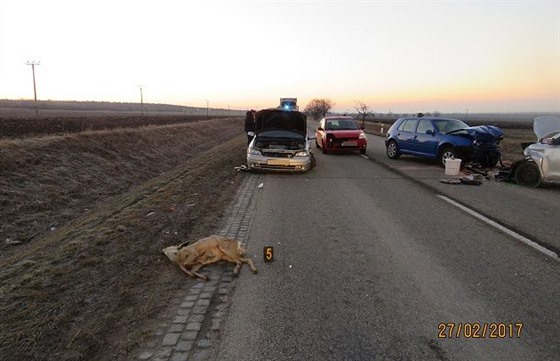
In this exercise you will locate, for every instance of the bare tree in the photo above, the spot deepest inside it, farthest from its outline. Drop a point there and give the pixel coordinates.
(363, 110)
(319, 107)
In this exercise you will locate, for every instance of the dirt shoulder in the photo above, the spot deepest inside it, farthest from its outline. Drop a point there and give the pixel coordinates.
(86, 289)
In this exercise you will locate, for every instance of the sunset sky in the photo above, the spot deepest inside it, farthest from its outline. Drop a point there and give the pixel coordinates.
(399, 56)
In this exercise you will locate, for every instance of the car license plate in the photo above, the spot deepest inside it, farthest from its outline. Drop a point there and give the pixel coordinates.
(351, 143)
(278, 162)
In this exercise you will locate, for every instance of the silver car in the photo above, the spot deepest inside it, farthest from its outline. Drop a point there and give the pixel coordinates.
(542, 159)
(280, 142)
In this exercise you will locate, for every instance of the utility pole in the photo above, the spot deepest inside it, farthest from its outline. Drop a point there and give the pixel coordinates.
(141, 99)
(33, 63)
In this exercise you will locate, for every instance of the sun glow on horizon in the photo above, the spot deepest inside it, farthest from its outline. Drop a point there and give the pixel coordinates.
(444, 56)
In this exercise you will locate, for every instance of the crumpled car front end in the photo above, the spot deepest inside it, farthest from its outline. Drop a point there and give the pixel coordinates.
(485, 144)
(542, 159)
(547, 157)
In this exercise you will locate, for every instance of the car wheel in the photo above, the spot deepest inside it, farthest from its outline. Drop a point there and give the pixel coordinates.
(527, 174)
(447, 153)
(393, 151)
(313, 162)
(362, 151)
(491, 162)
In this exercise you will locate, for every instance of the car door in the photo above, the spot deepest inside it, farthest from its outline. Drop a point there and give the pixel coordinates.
(551, 158)
(405, 135)
(425, 140)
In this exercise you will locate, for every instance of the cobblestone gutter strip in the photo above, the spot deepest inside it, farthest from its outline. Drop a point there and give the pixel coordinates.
(189, 332)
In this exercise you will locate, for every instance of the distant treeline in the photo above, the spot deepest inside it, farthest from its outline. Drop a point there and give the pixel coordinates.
(90, 106)
(503, 120)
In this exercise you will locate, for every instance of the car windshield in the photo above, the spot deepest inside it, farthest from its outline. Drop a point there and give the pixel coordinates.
(450, 125)
(341, 124)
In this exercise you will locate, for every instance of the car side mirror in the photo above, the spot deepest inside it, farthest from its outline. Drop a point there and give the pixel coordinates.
(431, 132)
(362, 127)
(251, 134)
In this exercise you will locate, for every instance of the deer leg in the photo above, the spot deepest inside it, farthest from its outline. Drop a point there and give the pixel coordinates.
(238, 260)
(250, 263)
(231, 257)
(193, 274)
(195, 269)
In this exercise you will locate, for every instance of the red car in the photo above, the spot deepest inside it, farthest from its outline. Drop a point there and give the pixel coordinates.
(340, 134)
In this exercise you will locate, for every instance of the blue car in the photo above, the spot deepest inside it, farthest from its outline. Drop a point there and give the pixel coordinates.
(444, 138)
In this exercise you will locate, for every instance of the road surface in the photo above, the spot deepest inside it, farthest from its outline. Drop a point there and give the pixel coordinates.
(372, 264)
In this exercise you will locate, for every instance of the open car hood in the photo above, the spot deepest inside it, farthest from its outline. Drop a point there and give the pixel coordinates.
(545, 125)
(481, 133)
(279, 119)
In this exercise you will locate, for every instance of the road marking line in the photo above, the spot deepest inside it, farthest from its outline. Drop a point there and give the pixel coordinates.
(507, 231)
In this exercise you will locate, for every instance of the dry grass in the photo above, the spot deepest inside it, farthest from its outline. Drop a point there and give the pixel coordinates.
(25, 126)
(48, 181)
(86, 289)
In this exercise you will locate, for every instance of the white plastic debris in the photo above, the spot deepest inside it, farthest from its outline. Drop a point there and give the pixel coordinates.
(242, 168)
(9, 241)
(290, 266)
(150, 214)
(260, 186)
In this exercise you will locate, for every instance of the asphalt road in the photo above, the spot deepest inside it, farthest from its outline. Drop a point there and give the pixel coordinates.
(534, 213)
(369, 263)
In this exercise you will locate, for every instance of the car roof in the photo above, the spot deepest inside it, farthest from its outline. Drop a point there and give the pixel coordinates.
(432, 118)
(338, 117)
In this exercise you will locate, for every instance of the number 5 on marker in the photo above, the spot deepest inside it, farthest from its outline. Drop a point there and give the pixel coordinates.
(268, 253)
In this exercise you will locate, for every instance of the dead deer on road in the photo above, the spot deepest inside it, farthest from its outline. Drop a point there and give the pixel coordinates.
(191, 258)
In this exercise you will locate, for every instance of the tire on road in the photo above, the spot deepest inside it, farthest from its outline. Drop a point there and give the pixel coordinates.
(528, 174)
(447, 153)
(393, 151)
(491, 161)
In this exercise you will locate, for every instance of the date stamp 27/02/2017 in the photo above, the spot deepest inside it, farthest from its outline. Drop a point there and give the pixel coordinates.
(492, 330)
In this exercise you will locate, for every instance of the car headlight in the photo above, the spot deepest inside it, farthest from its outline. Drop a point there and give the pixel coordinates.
(362, 135)
(303, 153)
(253, 151)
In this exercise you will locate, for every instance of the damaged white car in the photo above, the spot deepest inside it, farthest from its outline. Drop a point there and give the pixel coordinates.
(542, 159)
(280, 142)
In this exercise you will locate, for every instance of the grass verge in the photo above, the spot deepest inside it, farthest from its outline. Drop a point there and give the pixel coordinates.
(85, 290)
